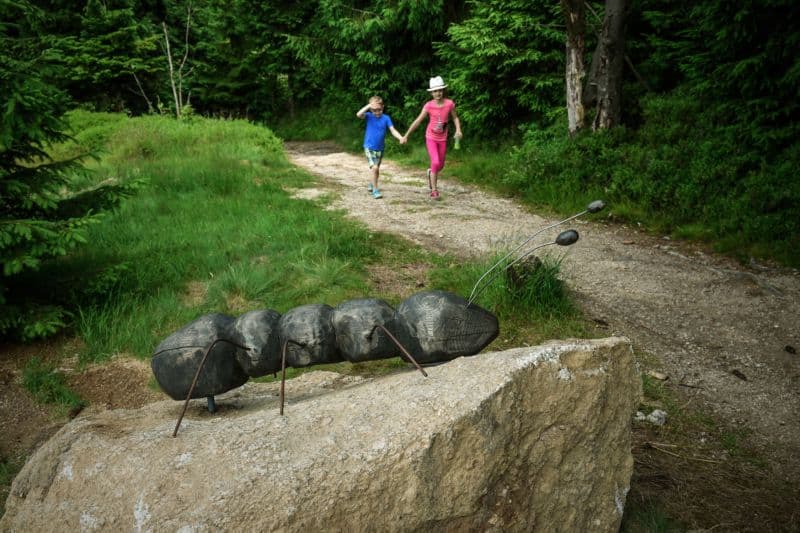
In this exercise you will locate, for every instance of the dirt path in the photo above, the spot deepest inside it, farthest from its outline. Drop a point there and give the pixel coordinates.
(726, 336)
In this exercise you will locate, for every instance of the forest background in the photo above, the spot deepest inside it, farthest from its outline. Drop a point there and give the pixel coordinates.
(704, 144)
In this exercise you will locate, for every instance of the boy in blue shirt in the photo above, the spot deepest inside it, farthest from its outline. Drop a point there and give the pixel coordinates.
(374, 137)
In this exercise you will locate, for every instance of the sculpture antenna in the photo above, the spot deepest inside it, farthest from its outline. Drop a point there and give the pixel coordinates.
(593, 207)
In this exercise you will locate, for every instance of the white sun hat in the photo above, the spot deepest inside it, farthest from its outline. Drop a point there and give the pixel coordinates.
(436, 83)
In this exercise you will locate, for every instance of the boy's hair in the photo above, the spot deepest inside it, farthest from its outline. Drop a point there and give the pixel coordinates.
(376, 100)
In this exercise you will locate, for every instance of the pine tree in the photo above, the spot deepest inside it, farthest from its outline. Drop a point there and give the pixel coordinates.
(42, 214)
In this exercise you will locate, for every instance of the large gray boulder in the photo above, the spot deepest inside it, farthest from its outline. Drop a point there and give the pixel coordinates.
(529, 439)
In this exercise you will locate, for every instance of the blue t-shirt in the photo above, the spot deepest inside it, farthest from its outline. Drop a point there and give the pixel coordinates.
(376, 131)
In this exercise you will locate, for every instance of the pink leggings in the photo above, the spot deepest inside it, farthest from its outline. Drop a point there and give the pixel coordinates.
(437, 151)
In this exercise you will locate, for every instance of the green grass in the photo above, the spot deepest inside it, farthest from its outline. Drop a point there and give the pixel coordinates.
(215, 213)
(9, 468)
(214, 228)
(537, 309)
(49, 386)
(649, 519)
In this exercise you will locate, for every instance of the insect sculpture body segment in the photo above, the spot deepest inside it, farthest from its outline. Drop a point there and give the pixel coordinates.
(434, 326)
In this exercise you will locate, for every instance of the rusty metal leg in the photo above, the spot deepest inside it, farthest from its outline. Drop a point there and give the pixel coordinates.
(212, 406)
(405, 352)
(283, 374)
(194, 382)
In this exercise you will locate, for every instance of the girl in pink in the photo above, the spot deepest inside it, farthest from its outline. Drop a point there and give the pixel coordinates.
(439, 110)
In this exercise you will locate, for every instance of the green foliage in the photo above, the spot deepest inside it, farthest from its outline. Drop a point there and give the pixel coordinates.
(737, 58)
(380, 48)
(670, 174)
(99, 46)
(44, 212)
(111, 46)
(549, 168)
(741, 57)
(244, 65)
(505, 64)
(33, 320)
(48, 385)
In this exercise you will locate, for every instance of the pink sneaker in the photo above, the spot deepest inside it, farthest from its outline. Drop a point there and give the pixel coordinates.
(435, 195)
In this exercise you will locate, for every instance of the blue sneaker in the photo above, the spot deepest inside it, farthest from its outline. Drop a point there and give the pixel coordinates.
(376, 194)
(369, 187)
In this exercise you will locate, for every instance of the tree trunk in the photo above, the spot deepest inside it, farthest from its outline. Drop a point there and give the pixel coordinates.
(171, 72)
(610, 58)
(574, 13)
(590, 83)
(290, 95)
(150, 109)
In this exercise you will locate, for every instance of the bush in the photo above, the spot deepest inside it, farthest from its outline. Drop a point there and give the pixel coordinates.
(678, 173)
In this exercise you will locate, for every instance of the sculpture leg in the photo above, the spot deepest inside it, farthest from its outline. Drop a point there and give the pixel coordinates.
(212, 407)
(283, 374)
(405, 352)
(191, 389)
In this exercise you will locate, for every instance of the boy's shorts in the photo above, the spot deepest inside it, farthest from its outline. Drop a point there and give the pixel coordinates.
(373, 157)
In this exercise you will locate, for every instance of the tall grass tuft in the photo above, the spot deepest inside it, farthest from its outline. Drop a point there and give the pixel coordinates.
(9, 468)
(48, 385)
(538, 308)
(541, 294)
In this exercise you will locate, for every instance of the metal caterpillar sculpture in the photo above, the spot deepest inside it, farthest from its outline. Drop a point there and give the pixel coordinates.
(216, 353)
